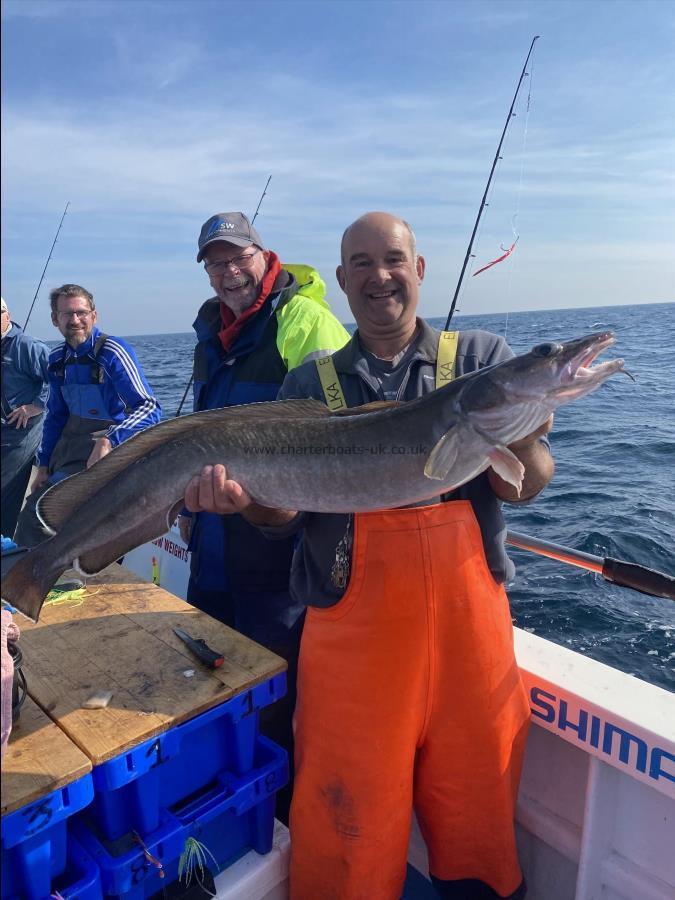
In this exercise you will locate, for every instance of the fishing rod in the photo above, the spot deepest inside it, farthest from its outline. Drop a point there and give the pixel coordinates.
(483, 202)
(56, 236)
(262, 197)
(626, 574)
(189, 384)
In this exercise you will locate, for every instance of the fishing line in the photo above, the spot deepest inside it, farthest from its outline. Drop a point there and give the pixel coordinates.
(481, 225)
(523, 150)
(487, 186)
(68, 598)
(507, 251)
(514, 221)
(479, 233)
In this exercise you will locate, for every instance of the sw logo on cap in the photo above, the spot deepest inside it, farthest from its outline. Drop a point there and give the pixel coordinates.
(219, 226)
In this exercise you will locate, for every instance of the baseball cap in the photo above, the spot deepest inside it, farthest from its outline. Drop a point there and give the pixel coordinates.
(233, 227)
(4, 305)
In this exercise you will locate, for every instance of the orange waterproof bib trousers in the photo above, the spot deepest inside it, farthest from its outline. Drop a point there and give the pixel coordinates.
(408, 693)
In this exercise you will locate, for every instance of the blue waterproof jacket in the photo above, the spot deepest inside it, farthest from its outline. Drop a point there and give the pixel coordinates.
(96, 386)
(293, 325)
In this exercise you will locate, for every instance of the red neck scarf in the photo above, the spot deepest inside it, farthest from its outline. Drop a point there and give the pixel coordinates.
(232, 325)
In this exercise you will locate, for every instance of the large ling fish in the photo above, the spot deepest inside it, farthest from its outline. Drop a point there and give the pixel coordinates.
(296, 454)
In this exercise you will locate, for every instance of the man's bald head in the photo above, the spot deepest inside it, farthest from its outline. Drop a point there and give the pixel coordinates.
(378, 221)
(381, 274)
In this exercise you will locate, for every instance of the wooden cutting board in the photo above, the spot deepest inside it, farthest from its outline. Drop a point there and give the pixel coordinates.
(120, 639)
(39, 759)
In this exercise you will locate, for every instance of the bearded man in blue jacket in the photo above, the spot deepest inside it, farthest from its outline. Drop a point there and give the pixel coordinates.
(98, 397)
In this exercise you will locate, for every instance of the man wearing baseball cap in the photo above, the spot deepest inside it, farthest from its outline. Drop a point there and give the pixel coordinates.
(24, 397)
(264, 319)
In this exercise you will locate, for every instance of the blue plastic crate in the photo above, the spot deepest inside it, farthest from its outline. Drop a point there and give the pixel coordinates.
(233, 816)
(81, 879)
(131, 789)
(37, 852)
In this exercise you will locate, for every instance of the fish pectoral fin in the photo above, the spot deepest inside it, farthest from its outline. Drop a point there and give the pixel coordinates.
(507, 465)
(443, 456)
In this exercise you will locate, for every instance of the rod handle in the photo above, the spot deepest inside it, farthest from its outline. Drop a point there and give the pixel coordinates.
(640, 578)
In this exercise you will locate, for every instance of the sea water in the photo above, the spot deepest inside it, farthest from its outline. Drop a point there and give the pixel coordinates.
(613, 493)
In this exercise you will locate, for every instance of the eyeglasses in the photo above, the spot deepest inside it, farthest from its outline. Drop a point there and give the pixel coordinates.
(74, 313)
(219, 266)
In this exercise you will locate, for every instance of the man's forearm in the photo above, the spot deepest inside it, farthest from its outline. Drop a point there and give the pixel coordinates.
(267, 517)
(539, 468)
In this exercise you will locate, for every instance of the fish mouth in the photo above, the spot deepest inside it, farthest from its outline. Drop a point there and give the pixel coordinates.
(578, 374)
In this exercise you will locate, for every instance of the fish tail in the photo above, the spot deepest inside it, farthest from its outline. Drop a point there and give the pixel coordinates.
(29, 581)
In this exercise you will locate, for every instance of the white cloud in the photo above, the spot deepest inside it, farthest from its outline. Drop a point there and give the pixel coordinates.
(175, 160)
(154, 66)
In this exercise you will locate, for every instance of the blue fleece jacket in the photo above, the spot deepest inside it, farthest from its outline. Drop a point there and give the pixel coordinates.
(129, 400)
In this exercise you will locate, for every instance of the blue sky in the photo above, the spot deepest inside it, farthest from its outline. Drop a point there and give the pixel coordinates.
(150, 116)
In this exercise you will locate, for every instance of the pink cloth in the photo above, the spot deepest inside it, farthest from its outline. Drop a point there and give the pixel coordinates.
(10, 632)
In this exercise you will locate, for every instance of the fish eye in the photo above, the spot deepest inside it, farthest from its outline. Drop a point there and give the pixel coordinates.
(546, 349)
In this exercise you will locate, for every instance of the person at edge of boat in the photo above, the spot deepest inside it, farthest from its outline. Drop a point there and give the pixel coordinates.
(265, 319)
(408, 690)
(98, 397)
(24, 397)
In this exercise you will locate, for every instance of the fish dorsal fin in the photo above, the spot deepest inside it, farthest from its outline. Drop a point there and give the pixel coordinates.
(57, 505)
(276, 409)
(375, 406)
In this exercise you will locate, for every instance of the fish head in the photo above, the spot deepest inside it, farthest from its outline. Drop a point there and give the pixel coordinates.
(560, 372)
(518, 395)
